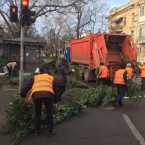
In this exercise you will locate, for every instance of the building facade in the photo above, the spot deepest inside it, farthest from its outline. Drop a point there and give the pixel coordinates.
(130, 19)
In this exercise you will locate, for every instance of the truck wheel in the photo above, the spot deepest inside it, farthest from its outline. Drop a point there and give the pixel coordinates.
(80, 73)
(86, 75)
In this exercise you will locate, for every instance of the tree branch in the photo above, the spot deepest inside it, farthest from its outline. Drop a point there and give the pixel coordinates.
(6, 22)
(55, 6)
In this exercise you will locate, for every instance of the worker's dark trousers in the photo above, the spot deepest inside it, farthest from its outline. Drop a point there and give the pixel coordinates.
(48, 103)
(120, 93)
(143, 83)
(102, 81)
(59, 90)
(10, 71)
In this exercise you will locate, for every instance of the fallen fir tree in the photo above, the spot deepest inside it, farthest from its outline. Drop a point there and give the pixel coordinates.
(20, 114)
(20, 117)
(102, 95)
(134, 92)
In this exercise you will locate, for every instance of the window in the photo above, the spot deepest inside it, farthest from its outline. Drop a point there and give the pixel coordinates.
(142, 49)
(143, 59)
(139, 50)
(141, 11)
(133, 17)
(124, 21)
(119, 20)
(132, 33)
(142, 31)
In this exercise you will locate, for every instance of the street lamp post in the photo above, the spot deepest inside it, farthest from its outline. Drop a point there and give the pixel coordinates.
(21, 71)
(58, 51)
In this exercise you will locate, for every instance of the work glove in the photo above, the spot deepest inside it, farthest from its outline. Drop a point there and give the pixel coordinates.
(55, 106)
(23, 99)
(73, 70)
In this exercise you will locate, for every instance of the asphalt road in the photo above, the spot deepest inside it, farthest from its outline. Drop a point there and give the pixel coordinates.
(95, 126)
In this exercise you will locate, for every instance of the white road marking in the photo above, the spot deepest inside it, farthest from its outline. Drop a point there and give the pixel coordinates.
(128, 97)
(134, 131)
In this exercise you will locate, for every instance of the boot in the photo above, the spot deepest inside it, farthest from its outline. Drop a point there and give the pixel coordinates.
(50, 133)
(120, 104)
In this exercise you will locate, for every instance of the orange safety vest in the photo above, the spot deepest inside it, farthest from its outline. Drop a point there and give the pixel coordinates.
(142, 69)
(129, 72)
(42, 82)
(119, 77)
(104, 72)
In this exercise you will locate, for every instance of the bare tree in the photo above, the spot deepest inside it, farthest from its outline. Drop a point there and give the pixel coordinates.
(99, 15)
(87, 16)
(83, 16)
(42, 8)
(55, 35)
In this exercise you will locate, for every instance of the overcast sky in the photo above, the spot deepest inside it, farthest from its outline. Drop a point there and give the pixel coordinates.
(117, 3)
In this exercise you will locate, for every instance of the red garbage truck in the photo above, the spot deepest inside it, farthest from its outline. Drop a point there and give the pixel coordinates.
(110, 48)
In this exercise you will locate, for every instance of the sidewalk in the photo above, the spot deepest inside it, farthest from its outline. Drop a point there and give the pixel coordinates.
(94, 127)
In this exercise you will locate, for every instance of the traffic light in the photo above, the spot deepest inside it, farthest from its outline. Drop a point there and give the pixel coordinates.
(31, 17)
(26, 14)
(25, 3)
(13, 13)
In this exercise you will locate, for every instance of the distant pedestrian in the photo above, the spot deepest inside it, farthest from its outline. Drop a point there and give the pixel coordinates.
(60, 73)
(5, 70)
(41, 86)
(142, 75)
(129, 71)
(11, 68)
(103, 74)
(120, 81)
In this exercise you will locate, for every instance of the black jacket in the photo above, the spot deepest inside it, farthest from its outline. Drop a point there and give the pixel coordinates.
(61, 72)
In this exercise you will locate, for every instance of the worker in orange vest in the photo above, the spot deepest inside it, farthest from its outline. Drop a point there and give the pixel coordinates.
(103, 74)
(129, 71)
(41, 86)
(142, 75)
(120, 81)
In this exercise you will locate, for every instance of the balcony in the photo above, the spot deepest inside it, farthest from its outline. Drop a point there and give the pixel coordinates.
(117, 29)
(141, 39)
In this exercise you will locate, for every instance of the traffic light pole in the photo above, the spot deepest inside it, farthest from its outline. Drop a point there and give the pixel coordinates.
(21, 71)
